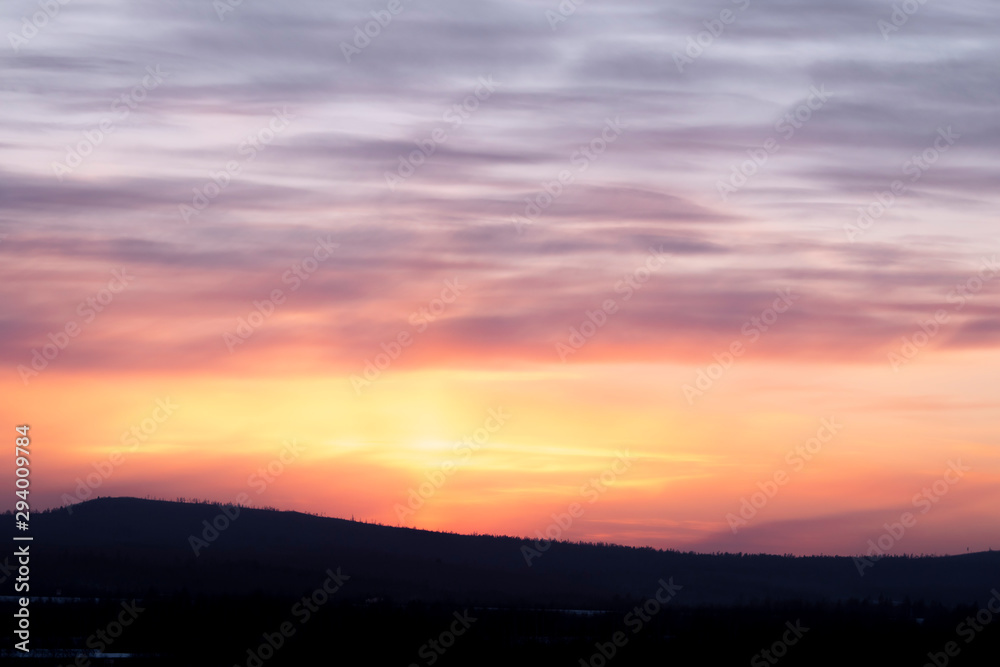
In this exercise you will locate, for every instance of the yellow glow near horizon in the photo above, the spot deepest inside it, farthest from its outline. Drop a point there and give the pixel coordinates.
(363, 455)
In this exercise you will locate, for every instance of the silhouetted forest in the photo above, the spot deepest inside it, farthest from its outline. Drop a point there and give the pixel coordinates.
(345, 589)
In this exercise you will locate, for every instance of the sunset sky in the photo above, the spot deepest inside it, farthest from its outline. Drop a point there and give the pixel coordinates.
(491, 259)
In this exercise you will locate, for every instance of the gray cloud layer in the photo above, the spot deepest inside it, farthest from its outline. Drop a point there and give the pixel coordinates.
(655, 184)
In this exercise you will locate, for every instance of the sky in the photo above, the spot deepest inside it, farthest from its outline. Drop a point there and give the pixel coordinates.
(702, 276)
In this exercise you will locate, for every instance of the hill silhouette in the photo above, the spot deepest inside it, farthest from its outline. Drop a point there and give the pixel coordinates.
(384, 595)
(121, 546)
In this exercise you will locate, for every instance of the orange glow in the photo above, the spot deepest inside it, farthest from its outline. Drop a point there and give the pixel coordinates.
(399, 445)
